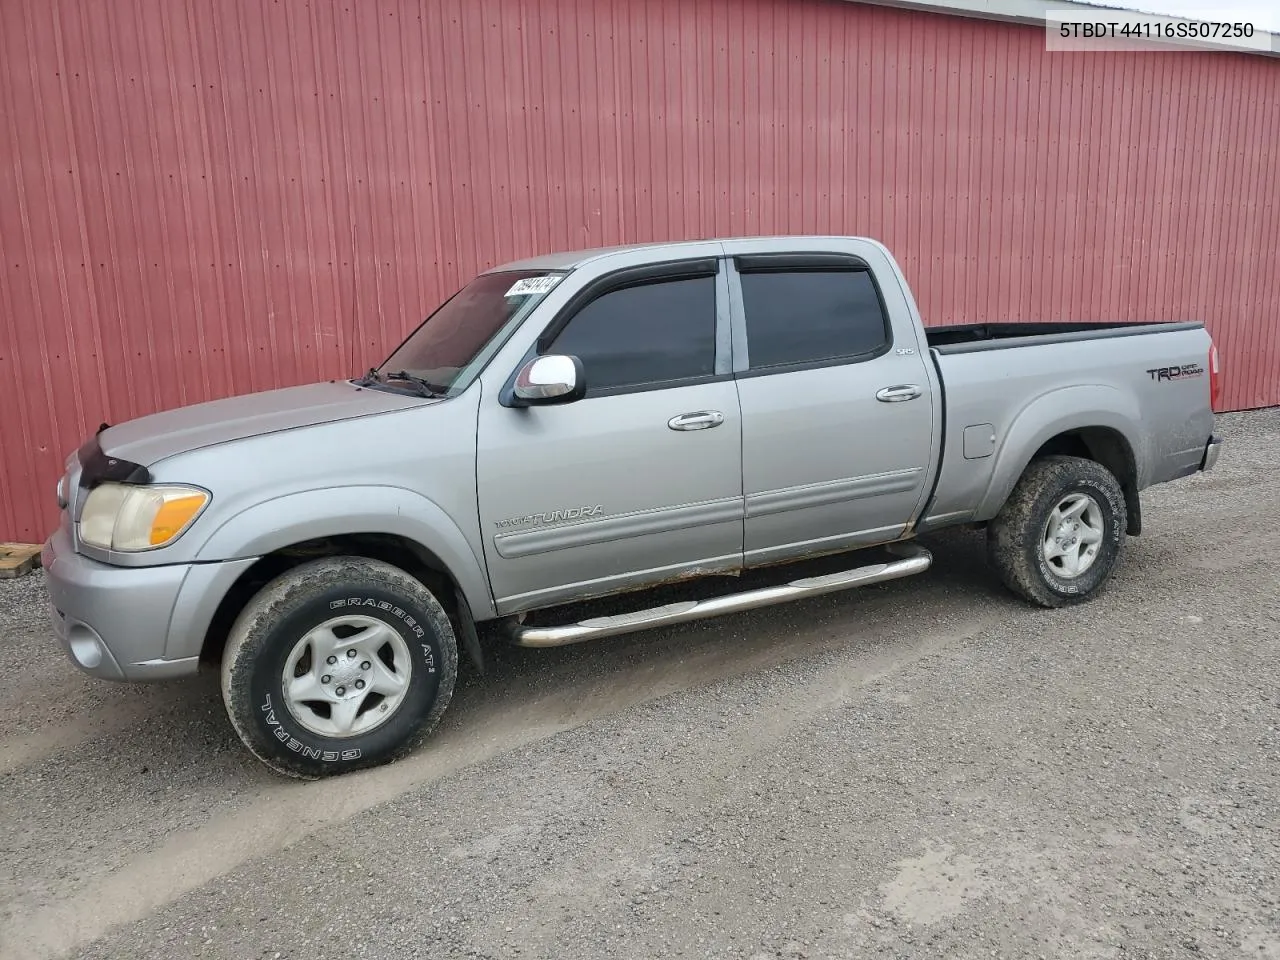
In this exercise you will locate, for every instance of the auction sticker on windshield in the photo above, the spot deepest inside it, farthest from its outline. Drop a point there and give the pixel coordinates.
(532, 285)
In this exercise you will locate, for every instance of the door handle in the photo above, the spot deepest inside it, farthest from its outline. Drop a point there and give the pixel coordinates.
(701, 420)
(902, 391)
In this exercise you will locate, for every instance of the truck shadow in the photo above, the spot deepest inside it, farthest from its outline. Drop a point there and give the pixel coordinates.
(706, 651)
(175, 739)
(137, 772)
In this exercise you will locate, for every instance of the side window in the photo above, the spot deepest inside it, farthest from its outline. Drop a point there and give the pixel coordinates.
(650, 333)
(805, 316)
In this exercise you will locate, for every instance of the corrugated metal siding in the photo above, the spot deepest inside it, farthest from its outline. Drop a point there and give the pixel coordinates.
(203, 198)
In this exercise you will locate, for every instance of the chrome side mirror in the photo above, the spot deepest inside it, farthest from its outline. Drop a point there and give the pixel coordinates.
(550, 379)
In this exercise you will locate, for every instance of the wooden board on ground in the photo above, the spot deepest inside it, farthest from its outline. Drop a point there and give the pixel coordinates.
(17, 559)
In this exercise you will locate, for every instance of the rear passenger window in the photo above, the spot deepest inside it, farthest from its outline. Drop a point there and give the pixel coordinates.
(652, 333)
(807, 316)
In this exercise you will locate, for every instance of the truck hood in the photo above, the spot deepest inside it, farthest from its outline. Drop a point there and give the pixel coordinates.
(150, 439)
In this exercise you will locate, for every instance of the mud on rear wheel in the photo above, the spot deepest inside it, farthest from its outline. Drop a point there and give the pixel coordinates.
(1061, 532)
(336, 665)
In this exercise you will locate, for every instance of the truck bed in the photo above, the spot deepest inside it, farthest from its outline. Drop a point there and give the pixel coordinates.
(1001, 405)
(973, 337)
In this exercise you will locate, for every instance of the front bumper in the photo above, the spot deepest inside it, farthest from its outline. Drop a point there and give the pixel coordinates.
(132, 623)
(1212, 450)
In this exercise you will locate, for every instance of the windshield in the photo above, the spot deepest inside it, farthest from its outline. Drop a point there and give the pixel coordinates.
(454, 343)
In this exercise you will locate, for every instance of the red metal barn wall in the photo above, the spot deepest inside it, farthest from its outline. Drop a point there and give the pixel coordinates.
(205, 197)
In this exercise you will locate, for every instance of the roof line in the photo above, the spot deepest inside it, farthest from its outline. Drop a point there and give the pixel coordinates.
(1033, 13)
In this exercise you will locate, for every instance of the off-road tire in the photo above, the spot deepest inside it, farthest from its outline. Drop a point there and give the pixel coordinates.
(287, 608)
(1015, 538)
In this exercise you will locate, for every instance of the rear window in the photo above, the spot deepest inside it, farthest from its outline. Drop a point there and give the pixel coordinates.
(810, 316)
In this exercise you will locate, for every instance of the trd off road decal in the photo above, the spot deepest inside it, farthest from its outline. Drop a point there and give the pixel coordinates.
(1185, 371)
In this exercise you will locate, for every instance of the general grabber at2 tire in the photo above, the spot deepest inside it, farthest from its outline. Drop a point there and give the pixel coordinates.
(1060, 533)
(336, 665)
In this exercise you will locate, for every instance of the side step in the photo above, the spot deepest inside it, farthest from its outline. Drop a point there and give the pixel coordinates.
(915, 559)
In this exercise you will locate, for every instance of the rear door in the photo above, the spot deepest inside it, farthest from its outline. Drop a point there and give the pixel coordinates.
(837, 402)
(641, 480)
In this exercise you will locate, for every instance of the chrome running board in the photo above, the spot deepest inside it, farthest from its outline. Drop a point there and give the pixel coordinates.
(915, 559)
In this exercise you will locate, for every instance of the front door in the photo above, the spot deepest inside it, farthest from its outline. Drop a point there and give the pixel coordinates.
(638, 482)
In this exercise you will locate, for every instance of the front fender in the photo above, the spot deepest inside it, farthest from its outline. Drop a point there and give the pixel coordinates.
(334, 511)
(1052, 413)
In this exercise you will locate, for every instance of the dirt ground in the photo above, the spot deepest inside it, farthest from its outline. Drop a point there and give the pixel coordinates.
(928, 768)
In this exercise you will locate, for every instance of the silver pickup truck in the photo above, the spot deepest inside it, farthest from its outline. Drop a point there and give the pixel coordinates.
(591, 443)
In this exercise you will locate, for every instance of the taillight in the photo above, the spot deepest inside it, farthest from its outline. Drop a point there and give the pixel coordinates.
(1215, 377)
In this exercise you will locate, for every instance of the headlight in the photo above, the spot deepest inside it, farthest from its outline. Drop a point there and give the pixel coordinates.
(122, 516)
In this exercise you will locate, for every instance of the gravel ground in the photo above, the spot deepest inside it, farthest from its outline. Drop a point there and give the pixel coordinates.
(928, 768)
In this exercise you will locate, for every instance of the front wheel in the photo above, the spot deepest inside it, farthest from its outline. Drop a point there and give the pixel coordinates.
(1060, 534)
(338, 664)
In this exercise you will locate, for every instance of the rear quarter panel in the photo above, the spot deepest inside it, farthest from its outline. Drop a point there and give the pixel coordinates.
(1029, 394)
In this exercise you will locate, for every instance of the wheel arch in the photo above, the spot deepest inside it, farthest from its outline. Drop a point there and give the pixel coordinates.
(385, 523)
(1096, 423)
(396, 549)
(1109, 448)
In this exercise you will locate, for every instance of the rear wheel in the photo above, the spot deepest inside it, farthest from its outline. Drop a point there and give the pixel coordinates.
(338, 664)
(1060, 533)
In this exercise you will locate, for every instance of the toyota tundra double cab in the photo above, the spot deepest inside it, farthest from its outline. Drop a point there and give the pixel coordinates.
(591, 443)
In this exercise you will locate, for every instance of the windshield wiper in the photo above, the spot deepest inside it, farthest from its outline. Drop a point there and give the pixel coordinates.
(425, 387)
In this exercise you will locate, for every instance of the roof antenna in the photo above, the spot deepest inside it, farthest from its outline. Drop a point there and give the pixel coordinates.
(355, 320)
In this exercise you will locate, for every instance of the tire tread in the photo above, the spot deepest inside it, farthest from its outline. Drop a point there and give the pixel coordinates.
(280, 598)
(1019, 523)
